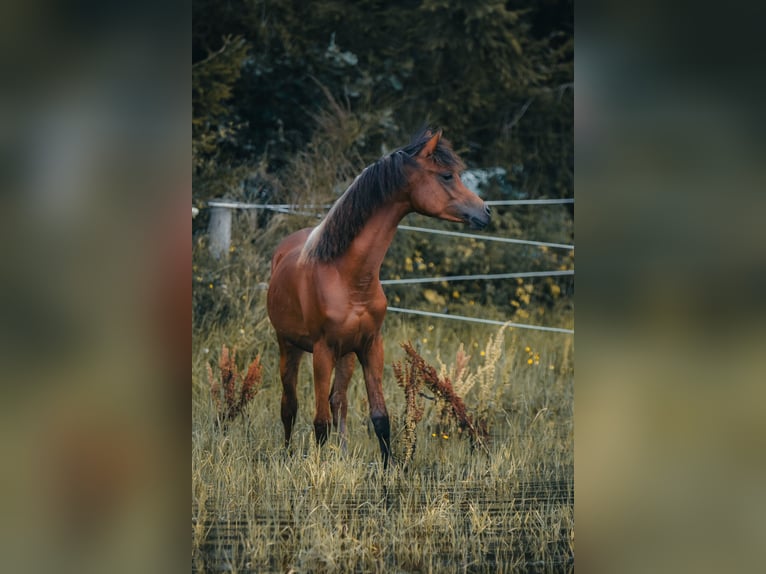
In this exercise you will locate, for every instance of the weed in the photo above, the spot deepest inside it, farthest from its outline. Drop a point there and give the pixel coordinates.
(411, 377)
(230, 395)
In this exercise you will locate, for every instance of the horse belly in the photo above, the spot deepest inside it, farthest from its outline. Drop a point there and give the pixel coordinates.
(355, 329)
(286, 319)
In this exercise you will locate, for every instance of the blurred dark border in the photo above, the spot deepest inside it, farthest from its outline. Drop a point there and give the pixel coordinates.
(669, 151)
(95, 338)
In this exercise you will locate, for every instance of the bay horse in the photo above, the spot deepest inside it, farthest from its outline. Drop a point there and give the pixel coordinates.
(325, 295)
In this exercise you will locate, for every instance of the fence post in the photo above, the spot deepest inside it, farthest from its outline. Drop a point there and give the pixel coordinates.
(219, 231)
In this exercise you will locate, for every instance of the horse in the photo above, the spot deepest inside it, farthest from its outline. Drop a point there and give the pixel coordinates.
(325, 296)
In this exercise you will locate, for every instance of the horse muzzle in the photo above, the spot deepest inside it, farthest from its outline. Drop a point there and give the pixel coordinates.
(477, 219)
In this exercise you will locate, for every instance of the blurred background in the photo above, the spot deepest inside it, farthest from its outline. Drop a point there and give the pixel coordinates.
(95, 171)
(671, 265)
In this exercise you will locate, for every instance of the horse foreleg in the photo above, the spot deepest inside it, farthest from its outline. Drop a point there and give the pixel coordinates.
(372, 363)
(344, 369)
(289, 361)
(324, 362)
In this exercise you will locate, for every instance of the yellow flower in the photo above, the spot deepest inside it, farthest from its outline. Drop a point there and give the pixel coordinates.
(529, 361)
(433, 297)
(527, 349)
(482, 353)
(445, 436)
(210, 285)
(456, 294)
(425, 340)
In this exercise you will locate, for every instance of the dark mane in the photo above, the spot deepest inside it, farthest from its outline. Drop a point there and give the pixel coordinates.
(372, 188)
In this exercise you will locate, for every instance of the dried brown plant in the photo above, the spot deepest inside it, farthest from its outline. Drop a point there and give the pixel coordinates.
(229, 394)
(489, 391)
(441, 387)
(482, 381)
(409, 378)
(462, 382)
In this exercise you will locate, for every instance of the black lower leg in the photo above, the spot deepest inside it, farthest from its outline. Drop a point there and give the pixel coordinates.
(321, 430)
(288, 420)
(383, 432)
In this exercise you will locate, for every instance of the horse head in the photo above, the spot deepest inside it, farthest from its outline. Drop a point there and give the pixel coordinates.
(436, 190)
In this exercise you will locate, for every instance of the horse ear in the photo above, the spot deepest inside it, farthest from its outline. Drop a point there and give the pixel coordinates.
(430, 146)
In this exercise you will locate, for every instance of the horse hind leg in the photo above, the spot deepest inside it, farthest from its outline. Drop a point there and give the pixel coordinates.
(289, 362)
(344, 370)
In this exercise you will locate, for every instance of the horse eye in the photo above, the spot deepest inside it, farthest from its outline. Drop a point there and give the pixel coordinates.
(446, 176)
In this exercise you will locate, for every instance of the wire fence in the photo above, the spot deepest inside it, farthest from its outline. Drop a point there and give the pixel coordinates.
(480, 320)
(486, 237)
(291, 207)
(486, 276)
(530, 201)
(223, 206)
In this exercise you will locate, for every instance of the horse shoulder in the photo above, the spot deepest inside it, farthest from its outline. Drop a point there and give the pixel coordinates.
(292, 244)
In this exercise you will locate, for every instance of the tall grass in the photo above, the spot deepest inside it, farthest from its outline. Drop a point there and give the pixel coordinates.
(257, 509)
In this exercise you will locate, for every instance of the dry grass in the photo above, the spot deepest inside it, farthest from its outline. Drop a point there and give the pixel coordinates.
(456, 509)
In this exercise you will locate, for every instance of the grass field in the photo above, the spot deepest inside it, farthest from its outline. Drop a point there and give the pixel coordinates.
(453, 509)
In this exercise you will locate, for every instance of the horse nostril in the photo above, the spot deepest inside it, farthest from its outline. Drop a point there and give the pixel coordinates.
(487, 209)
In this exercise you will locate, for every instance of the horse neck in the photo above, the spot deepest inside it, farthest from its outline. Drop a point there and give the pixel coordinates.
(363, 259)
